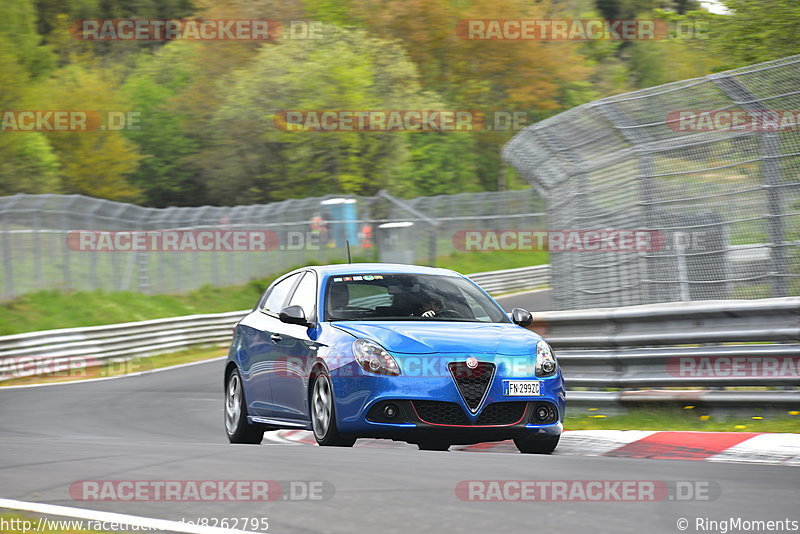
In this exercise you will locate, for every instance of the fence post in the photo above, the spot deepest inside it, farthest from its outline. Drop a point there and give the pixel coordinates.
(434, 224)
(770, 147)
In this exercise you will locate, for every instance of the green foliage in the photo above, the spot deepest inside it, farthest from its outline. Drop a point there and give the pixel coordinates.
(166, 175)
(92, 162)
(27, 162)
(207, 108)
(347, 71)
(756, 30)
(18, 26)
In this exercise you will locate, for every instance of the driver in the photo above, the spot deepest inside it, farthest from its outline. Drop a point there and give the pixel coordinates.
(430, 305)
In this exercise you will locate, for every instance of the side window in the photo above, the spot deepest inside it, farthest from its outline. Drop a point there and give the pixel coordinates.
(478, 311)
(369, 296)
(305, 295)
(277, 296)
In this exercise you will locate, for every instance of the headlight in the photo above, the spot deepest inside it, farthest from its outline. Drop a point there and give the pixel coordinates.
(374, 359)
(545, 361)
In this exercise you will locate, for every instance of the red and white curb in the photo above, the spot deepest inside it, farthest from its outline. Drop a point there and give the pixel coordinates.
(747, 447)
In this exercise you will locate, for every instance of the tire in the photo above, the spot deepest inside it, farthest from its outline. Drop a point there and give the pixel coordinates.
(323, 414)
(236, 425)
(433, 446)
(544, 445)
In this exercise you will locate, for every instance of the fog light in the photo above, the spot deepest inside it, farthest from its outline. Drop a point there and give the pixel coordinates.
(542, 413)
(390, 411)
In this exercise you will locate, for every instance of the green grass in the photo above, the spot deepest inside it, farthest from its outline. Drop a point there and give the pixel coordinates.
(686, 419)
(477, 262)
(46, 310)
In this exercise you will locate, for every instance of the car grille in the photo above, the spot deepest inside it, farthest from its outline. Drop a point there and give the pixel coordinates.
(449, 413)
(472, 383)
(440, 413)
(502, 413)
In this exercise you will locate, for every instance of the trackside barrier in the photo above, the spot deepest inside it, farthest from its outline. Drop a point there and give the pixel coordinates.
(122, 341)
(496, 282)
(688, 344)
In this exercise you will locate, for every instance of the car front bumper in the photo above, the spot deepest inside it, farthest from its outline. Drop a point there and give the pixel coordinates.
(359, 395)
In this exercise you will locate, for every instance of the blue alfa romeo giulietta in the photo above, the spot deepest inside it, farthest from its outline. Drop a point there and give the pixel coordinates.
(401, 352)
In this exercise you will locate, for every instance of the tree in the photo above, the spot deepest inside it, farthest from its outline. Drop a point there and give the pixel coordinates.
(756, 31)
(252, 160)
(27, 162)
(93, 163)
(18, 26)
(166, 174)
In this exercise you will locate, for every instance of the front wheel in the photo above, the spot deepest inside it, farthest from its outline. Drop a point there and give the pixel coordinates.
(236, 425)
(542, 445)
(323, 415)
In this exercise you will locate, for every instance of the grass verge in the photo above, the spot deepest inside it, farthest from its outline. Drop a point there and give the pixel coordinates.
(47, 310)
(682, 419)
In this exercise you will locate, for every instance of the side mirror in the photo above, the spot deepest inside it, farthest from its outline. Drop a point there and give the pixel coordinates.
(294, 315)
(521, 317)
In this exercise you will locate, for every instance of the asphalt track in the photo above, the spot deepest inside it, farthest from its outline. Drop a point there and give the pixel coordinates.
(533, 301)
(168, 426)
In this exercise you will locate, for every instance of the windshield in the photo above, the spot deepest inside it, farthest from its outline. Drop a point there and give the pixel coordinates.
(408, 297)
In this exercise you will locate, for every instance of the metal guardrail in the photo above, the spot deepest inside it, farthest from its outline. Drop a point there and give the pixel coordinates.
(496, 282)
(97, 344)
(691, 344)
(722, 402)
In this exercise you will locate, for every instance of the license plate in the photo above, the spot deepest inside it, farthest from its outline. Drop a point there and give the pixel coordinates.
(522, 388)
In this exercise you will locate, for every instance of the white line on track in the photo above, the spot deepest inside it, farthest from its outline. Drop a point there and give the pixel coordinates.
(138, 373)
(111, 517)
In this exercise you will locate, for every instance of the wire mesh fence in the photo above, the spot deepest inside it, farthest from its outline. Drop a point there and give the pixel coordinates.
(709, 168)
(73, 242)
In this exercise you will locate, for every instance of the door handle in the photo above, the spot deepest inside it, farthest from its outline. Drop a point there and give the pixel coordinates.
(276, 337)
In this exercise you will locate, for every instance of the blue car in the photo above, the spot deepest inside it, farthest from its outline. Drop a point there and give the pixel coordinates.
(402, 352)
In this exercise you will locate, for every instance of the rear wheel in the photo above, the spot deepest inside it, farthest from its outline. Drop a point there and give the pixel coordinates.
(542, 445)
(323, 415)
(236, 425)
(433, 446)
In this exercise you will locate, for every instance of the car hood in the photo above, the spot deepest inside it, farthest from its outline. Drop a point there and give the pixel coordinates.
(427, 337)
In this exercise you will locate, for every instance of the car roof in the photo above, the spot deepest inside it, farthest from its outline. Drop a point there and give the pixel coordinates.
(378, 268)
